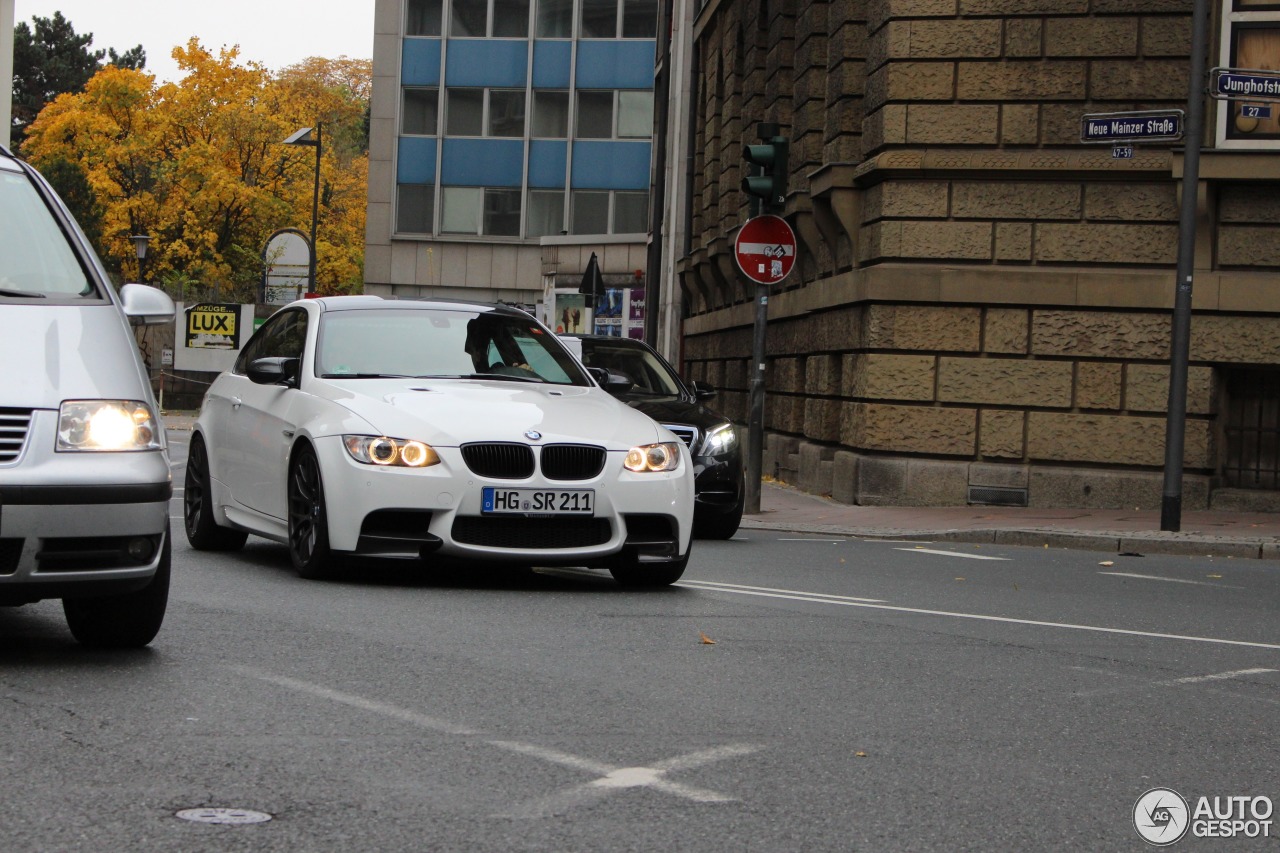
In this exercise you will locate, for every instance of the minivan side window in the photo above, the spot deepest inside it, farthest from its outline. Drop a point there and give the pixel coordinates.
(283, 336)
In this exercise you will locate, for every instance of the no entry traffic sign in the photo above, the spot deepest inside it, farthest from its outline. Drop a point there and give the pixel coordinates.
(765, 249)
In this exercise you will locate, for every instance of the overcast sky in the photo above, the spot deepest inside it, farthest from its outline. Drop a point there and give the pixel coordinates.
(275, 33)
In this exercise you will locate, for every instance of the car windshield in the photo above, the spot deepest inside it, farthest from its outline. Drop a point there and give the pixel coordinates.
(648, 374)
(36, 261)
(441, 344)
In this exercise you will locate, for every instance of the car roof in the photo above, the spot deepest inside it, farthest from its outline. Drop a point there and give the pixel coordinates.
(610, 339)
(368, 301)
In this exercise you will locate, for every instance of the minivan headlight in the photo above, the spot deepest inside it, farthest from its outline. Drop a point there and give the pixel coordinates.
(653, 457)
(390, 452)
(107, 425)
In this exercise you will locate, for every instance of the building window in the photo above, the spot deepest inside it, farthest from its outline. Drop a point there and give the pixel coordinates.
(618, 212)
(1250, 40)
(488, 211)
(635, 114)
(464, 115)
(506, 112)
(606, 19)
(420, 115)
(597, 111)
(1252, 429)
(414, 208)
(489, 18)
(595, 115)
(423, 17)
(551, 115)
(546, 213)
(555, 19)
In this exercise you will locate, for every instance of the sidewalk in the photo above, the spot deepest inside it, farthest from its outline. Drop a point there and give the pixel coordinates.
(1204, 533)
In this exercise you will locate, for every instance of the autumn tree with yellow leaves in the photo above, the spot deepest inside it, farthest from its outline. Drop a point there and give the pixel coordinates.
(200, 167)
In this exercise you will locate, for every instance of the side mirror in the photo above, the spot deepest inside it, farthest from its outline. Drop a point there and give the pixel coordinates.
(146, 306)
(611, 380)
(702, 390)
(274, 371)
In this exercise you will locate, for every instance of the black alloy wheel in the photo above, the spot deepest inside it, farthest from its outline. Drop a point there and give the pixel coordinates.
(203, 532)
(308, 519)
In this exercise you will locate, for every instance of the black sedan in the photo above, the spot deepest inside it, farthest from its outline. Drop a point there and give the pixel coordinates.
(658, 391)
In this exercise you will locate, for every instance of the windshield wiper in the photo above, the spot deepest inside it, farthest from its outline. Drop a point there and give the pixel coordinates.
(369, 376)
(23, 294)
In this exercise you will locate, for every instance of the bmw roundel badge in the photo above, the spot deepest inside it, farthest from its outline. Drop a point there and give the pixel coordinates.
(533, 435)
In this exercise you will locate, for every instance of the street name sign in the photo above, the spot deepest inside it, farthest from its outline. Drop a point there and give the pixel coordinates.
(1245, 84)
(1148, 126)
(765, 249)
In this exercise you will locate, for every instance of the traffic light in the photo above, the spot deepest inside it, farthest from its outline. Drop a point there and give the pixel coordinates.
(770, 183)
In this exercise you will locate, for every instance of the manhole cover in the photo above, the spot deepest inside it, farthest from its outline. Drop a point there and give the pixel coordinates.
(232, 816)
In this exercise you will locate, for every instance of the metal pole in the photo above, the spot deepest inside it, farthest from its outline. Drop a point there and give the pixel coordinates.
(1176, 423)
(315, 213)
(755, 420)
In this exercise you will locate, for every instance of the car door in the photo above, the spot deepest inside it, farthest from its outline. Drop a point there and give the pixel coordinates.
(260, 432)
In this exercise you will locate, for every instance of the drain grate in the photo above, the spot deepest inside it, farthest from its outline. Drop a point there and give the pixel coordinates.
(998, 496)
(224, 816)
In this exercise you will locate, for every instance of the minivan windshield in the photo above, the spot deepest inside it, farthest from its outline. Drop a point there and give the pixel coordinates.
(441, 344)
(36, 261)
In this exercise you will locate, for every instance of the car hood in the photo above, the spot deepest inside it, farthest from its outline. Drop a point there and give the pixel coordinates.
(451, 412)
(67, 352)
(674, 410)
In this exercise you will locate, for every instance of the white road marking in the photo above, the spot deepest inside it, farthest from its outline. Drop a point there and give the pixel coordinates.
(950, 554)
(899, 541)
(819, 598)
(814, 596)
(610, 778)
(824, 541)
(1170, 580)
(1221, 676)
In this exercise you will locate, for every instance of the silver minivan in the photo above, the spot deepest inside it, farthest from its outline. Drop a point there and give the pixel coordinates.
(85, 480)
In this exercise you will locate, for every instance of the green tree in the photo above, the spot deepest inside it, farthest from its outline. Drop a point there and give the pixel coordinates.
(52, 59)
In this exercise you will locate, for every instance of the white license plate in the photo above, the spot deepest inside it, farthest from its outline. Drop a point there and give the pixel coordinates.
(498, 501)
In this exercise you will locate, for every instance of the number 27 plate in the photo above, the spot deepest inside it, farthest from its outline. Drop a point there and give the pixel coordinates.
(497, 501)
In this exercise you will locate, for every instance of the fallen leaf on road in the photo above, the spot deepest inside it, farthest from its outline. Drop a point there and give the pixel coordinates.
(1015, 588)
(1215, 577)
(706, 641)
(959, 579)
(1107, 563)
(860, 754)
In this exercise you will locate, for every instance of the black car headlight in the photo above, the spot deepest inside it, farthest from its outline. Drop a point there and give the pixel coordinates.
(720, 440)
(390, 452)
(107, 425)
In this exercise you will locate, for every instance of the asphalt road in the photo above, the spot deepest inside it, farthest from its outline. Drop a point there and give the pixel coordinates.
(792, 693)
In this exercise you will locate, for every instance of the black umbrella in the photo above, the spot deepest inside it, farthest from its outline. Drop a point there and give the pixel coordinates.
(592, 281)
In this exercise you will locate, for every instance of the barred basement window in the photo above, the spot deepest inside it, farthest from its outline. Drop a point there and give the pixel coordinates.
(1252, 429)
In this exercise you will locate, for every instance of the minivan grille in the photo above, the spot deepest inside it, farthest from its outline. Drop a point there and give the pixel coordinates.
(572, 461)
(687, 434)
(14, 424)
(500, 460)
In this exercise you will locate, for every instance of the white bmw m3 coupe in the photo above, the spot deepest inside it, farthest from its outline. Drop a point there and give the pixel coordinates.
(355, 425)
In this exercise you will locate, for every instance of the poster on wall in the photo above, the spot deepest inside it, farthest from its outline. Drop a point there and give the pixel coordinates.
(570, 316)
(635, 313)
(608, 317)
(213, 326)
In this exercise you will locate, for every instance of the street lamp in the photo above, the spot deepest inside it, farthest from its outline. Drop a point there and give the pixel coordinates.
(304, 137)
(140, 249)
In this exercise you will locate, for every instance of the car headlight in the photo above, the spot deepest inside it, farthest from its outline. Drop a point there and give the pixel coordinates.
(107, 425)
(722, 439)
(664, 456)
(390, 452)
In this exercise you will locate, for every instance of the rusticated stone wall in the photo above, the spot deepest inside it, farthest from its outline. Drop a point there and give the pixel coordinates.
(979, 299)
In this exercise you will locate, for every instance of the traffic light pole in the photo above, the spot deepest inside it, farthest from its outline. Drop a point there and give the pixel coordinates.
(755, 419)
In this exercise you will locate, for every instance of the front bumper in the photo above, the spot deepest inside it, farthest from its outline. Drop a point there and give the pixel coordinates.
(404, 512)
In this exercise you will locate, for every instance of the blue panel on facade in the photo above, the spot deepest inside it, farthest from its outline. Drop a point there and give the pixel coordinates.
(611, 165)
(552, 62)
(420, 63)
(416, 161)
(488, 62)
(615, 64)
(547, 160)
(482, 162)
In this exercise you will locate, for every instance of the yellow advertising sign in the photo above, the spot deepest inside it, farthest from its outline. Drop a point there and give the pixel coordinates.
(213, 326)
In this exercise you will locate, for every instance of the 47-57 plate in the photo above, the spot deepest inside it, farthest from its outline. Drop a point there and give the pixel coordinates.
(497, 501)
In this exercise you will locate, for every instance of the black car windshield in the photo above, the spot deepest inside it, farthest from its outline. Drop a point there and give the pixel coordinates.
(441, 344)
(36, 261)
(648, 374)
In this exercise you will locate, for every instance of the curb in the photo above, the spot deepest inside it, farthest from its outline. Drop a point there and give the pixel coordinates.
(1117, 542)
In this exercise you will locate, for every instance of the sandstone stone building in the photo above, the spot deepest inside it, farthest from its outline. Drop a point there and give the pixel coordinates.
(981, 309)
